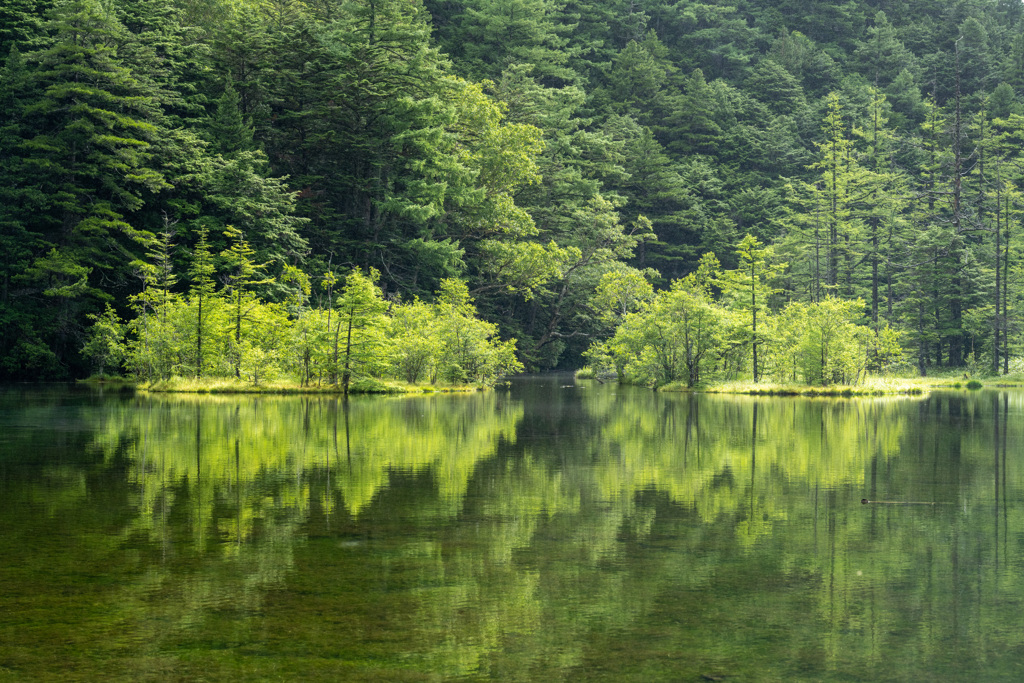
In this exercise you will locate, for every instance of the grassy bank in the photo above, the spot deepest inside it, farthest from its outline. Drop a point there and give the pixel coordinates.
(873, 386)
(878, 386)
(223, 385)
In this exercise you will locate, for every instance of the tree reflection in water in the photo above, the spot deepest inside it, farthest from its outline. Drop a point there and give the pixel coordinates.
(594, 532)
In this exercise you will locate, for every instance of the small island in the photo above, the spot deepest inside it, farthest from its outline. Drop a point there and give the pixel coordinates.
(737, 332)
(230, 340)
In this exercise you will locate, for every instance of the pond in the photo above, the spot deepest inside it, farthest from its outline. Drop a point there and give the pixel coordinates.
(551, 530)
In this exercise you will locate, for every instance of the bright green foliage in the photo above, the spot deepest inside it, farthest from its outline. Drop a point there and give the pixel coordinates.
(782, 355)
(206, 310)
(496, 160)
(885, 351)
(105, 345)
(683, 334)
(298, 288)
(358, 338)
(306, 357)
(468, 350)
(241, 278)
(522, 268)
(263, 350)
(680, 335)
(747, 291)
(621, 292)
(823, 343)
(833, 349)
(157, 346)
(415, 341)
(153, 352)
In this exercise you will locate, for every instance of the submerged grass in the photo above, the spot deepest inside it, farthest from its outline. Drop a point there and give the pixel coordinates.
(103, 378)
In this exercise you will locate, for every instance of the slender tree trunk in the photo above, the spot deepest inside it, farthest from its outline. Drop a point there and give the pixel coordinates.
(996, 319)
(330, 310)
(306, 379)
(753, 309)
(334, 365)
(956, 339)
(832, 268)
(238, 334)
(874, 277)
(348, 353)
(817, 256)
(922, 344)
(874, 224)
(199, 337)
(1006, 296)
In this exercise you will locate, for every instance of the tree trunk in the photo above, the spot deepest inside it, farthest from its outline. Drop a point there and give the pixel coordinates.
(347, 375)
(753, 309)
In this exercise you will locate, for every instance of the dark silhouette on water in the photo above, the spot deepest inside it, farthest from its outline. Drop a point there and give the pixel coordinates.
(865, 501)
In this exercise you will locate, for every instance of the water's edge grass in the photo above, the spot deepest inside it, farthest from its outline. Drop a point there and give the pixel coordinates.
(235, 386)
(873, 386)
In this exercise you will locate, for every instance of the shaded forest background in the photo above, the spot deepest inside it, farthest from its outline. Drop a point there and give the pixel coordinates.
(527, 147)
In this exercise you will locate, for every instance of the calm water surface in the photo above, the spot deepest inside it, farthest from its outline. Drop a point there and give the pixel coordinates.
(552, 531)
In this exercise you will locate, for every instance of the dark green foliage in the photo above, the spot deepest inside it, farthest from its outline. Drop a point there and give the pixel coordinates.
(882, 57)
(494, 34)
(780, 91)
(78, 152)
(228, 131)
(21, 23)
(815, 68)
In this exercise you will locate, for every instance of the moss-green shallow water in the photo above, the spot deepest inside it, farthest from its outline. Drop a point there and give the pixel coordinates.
(548, 532)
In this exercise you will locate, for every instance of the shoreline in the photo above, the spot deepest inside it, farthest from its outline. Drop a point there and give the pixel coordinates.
(223, 386)
(872, 387)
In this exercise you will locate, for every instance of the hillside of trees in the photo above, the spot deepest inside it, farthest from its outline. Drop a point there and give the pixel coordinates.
(528, 155)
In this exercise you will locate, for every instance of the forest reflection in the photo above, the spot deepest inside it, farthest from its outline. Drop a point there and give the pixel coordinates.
(551, 531)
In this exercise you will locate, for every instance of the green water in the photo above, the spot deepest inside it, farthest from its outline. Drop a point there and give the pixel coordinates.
(546, 532)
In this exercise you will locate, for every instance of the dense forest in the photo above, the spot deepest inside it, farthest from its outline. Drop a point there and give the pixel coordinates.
(562, 168)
